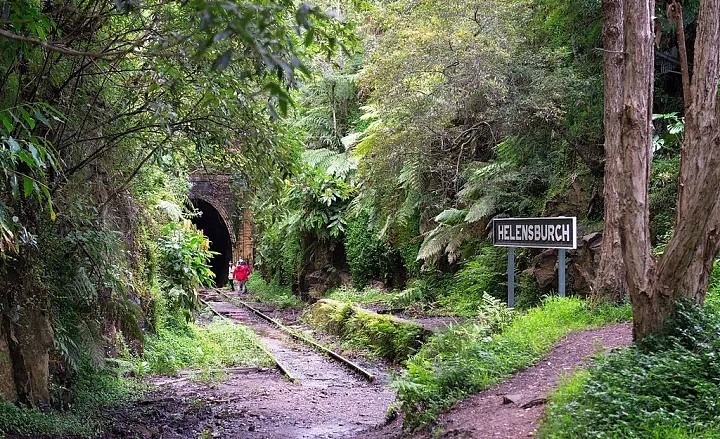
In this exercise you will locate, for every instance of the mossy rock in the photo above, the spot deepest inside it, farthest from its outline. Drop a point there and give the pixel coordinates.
(387, 336)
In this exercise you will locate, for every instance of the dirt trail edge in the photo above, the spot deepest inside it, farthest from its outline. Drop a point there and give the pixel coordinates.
(513, 408)
(328, 402)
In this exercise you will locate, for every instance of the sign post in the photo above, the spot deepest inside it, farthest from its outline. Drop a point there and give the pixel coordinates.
(555, 232)
(511, 277)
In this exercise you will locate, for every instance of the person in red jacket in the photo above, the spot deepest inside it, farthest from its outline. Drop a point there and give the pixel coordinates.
(241, 274)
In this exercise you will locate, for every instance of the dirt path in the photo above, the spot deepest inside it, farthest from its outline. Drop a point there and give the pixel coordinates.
(329, 401)
(513, 409)
(332, 402)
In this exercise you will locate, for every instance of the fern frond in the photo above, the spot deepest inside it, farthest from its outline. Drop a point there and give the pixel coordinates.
(482, 209)
(434, 244)
(451, 216)
(333, 163)
(318, 158)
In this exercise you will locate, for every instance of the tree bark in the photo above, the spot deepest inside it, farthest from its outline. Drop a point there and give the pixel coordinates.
(635, 155)
(700, 149)
(684, 268)
(609, 283)
(31, 353)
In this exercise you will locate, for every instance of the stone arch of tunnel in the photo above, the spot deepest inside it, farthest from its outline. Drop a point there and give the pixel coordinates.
(211, 222)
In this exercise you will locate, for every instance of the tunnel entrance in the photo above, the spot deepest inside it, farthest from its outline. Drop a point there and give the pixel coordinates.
(213, 226)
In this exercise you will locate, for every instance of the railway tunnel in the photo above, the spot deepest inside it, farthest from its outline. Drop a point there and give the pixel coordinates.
(213, 226)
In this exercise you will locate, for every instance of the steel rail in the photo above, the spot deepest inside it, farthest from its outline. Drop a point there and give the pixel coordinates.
(334, 355)
(281, 367)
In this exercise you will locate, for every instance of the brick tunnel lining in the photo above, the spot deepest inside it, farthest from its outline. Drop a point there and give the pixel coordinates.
(213, 226)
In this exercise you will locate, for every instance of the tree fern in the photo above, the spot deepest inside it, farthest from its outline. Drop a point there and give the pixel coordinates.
(336, 164)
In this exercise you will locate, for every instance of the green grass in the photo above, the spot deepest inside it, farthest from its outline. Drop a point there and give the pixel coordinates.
(468, 358)
(278, 295)
(94, 392)
(667, 387)
(381, 335)
(219, 344)
(365, 296)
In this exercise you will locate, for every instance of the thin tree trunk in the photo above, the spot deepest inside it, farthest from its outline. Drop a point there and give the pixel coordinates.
(609, 283)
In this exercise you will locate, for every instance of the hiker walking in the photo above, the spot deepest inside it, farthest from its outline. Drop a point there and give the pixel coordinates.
(231, 273)
(241, 274)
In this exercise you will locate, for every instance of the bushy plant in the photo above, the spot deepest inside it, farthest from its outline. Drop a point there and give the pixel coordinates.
(184, 264)
(469, 357)
(366, 295)
(219, 344)
(93, 391)
(482, 275)
(667, 387)
(367, 256)
(272, 292)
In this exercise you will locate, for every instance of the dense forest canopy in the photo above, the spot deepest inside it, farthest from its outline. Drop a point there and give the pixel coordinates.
(377, 140)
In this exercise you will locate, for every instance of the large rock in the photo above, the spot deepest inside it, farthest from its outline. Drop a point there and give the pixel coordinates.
(580, 268)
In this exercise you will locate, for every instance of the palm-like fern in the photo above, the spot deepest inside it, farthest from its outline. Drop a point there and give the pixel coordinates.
(485, 193)
(336, 164)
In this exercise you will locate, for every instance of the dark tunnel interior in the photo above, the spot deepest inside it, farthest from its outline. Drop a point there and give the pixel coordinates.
(213, 226)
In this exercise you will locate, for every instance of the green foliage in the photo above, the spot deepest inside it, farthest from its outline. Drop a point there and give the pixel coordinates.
(467, 358)
(219, 344)
(279, 295)
(184, 263)
(307, 218)
(367, 295)
(385, 336)
(667, 387)
(367, 256)
(25, 162)
(482, 275)
(668, 140)
(527, 292)
(663, 197)
(93, 392)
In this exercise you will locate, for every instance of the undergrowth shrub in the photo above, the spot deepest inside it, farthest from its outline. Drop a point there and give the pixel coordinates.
(185, 255)
(415, 294)
(469, 357)
(92, 392)
(386, 336)
(279, 295)
(666, 387)
(218, 344)
(483, 274)
(367, 295)
(367, 256)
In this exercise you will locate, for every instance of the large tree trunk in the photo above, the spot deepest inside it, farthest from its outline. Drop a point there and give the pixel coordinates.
(684, 268)
(700, 149)
(635, 155)
(610, 284)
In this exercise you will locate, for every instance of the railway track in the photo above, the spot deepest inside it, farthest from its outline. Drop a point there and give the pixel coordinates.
(285, 368)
